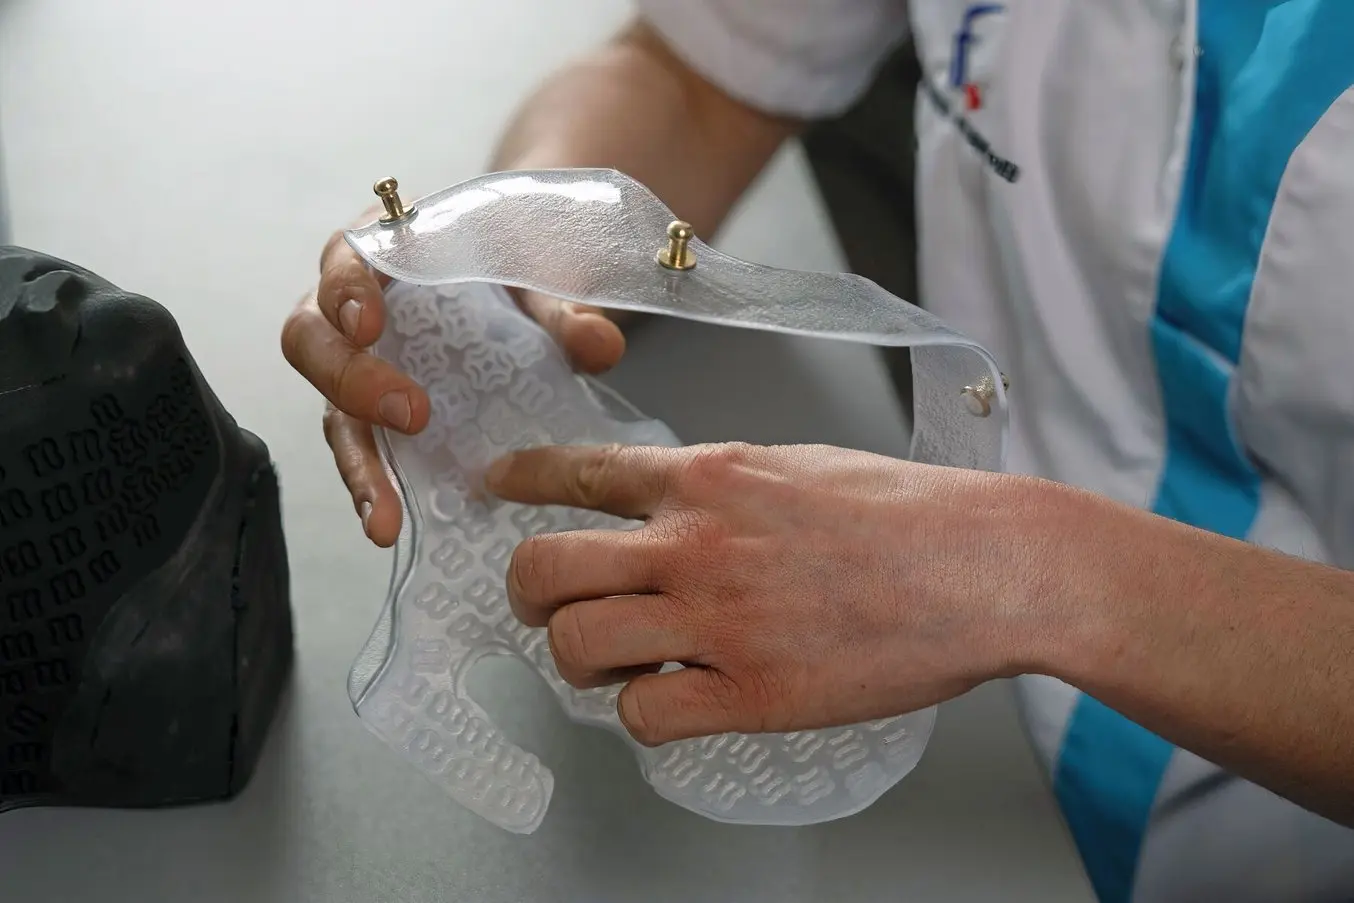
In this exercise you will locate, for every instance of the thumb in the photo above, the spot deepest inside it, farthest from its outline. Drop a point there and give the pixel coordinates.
(592, 342)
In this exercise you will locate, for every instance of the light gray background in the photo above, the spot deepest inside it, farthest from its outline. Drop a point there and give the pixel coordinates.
(200, 153)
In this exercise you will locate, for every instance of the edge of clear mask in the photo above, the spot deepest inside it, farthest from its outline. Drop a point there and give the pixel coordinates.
(470, 233)
(607, 228)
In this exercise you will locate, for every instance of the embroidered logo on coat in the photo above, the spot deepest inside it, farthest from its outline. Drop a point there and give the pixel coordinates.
(967, 76)
(964, 76)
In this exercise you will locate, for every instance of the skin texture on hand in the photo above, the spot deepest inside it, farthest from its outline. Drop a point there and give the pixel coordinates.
(801, 586)
(631, 105)
(806, 587)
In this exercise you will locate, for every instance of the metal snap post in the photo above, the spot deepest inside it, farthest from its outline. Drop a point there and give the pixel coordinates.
(677, 256)
(978, 399)
(388, 190)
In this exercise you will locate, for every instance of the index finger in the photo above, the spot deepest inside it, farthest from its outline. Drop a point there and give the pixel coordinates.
(624, 480)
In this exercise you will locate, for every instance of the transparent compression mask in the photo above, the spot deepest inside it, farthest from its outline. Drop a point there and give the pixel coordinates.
(498, 383)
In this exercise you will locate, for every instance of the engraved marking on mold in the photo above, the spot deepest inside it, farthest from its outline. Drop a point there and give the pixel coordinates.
(804, 746)
(482, 595)
(498, 554)
(430, 656)
(425, 354)
(488, 367)
(531, 394)
(66, 629)
(469, 630)
(527, 347)
(463, 325)
(475, 528)
(454, 401)
(901, 734)
(412, 689)
(435, 602)
(67, 545)
(813, 785)
(849, 754)
(530, 520)
(730, 796)
(410, 319)
(14, 507)
(686, 772)
(752, 758)
(770, 787)
(711, 746)
(446, 505)
(500, 423)
(865, 781)
(451, 560)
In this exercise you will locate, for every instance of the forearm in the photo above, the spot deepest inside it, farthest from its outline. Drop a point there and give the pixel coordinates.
(1238, 654)
(632, 106)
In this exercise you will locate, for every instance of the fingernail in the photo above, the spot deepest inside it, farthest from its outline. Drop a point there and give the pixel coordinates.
(350, 315)
(394, 410)
(365, 512)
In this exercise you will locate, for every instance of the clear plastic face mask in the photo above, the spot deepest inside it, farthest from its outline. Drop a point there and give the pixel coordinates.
(498, 383)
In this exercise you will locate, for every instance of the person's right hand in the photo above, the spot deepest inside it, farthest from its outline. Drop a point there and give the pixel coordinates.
(327, 337)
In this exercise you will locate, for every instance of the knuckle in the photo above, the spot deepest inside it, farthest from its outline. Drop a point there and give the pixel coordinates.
(725, 701)
(346, 381)
(344, 278)
(636, 713)
(596, 473)
(752, 699)
(294, 333)
(692, 538)
(531, 572)
(737, 452)
(335, 241)
(568, 641)
(723, 693)
(676, 530)
(710, 538)
(711, 465)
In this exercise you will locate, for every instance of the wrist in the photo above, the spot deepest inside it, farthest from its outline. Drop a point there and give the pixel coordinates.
(1077, 578)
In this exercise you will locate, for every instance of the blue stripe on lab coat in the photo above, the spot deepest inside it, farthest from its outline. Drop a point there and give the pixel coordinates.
(1268, 71)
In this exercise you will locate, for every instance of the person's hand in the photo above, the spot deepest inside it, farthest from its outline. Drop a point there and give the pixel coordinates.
(801, 586)
(326, 339)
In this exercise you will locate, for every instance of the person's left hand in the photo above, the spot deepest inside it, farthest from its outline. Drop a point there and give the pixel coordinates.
(801, 586)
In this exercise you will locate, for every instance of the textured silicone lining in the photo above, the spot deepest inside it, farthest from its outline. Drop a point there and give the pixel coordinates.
(498, 383)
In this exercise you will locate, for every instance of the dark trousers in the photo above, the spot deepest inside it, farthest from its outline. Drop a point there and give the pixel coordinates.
(863, 163)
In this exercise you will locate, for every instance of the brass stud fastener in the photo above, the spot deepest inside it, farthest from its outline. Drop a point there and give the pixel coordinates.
(978, 399)
(388, 190)
(677, 256)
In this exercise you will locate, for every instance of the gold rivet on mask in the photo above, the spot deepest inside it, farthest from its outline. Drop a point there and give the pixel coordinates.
(388, 190)
(677, 255)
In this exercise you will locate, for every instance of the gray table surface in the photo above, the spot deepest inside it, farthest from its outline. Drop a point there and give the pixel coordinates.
(135, 136)
(332, 816)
